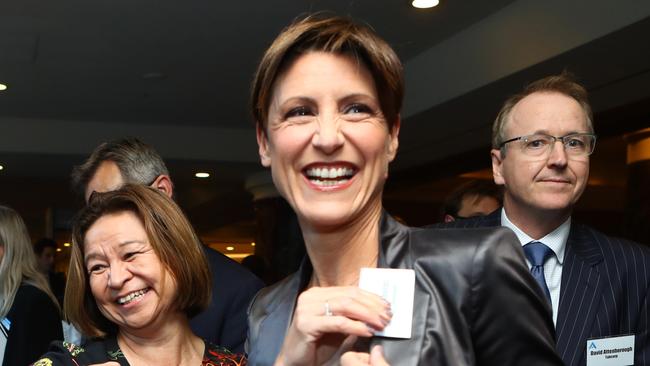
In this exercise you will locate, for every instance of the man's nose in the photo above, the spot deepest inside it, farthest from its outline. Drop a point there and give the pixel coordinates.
(557, 156)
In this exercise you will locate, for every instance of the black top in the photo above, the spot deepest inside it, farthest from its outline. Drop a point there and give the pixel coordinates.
(475, 303)
(104, 350)
(233, 287)
(57, 285)
(35, 322)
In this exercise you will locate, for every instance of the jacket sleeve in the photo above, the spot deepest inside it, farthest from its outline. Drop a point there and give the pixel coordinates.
(512, 321)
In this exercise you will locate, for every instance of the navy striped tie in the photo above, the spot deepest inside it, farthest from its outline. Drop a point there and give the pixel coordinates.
(537, 253)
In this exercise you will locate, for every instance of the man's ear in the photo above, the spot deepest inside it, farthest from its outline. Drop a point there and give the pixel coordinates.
(263, 145)
(164, 184)
(497, 166)
(393, 142)
(448, 218)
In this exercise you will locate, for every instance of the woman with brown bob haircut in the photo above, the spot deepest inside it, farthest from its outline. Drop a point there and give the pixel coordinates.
(326, 100)
(137, 274)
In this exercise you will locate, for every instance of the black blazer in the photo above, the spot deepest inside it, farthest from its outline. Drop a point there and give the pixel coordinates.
(604, 292)
(475, 303)
(233, 286)
(35, 322)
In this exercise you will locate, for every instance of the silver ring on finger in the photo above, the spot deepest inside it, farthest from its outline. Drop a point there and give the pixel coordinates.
(328, 310)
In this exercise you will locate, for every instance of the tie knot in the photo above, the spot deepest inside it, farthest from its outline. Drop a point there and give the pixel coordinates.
(537, 253)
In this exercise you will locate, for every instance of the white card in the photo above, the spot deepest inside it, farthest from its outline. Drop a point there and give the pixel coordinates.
(611, 351)
(397, 286)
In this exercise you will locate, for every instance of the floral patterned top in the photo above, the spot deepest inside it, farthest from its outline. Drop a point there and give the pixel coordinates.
(105, 350)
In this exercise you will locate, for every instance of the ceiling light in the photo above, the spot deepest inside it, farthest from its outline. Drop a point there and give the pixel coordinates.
(3, 87)
(66, 244)
(1, 167)
(58, 249)
(202, 175)
(424, 4)
(253, 244)
(230, 248)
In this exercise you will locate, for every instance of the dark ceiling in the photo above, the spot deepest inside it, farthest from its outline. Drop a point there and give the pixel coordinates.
(176, 74)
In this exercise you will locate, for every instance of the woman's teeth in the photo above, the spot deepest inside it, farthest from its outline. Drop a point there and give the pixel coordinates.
(328, 177)
(341, 173)
(132, 296)
(327, 183)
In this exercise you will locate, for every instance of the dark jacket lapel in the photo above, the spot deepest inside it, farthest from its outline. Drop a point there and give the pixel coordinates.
(394, 253)
(579, 295)
(277, 316)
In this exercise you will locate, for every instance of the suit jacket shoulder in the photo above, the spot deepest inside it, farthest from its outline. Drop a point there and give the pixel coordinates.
(605, 292)
(233, 287)
(483, 270)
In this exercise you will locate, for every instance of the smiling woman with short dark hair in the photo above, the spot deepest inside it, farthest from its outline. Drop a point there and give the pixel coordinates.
(326, 99)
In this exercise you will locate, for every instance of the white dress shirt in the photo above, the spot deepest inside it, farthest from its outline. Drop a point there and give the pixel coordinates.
(556, 240)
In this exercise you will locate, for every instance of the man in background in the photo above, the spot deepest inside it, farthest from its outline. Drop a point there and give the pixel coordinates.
(473, 198)
(115, 163)
(598, 286)
(45, 250)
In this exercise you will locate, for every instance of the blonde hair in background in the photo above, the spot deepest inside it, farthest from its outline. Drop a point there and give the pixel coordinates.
(18, 264)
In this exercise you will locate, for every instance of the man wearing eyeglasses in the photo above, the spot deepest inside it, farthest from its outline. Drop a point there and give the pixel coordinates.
(597, 285)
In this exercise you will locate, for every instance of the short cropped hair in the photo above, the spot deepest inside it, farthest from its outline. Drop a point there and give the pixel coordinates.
(137, 161)
(563, 83)
(331, 34)
(478, 188)
(172, 238)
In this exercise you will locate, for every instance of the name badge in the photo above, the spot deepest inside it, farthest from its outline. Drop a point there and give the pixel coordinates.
(611, 351)
(397, 286)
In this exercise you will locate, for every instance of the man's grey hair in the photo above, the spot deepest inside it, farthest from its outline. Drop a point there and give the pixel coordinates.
(137, 161)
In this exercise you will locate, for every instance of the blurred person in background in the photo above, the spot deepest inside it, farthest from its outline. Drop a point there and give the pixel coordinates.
(45, 250)
(30, 316)
(473, 198)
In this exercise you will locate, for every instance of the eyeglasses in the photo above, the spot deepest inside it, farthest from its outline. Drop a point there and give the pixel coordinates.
(575, 144)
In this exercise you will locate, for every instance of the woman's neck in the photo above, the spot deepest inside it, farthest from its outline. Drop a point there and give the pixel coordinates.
(338, 255)
(171, 344)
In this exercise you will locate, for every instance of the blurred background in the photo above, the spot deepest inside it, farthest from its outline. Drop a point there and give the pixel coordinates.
(177, 74)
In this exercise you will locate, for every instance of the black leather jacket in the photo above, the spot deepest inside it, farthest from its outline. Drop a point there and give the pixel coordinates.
(475, 301)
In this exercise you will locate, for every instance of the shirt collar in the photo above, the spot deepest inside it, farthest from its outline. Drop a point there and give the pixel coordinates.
(556, 239)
